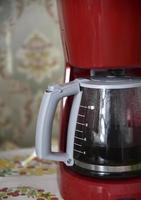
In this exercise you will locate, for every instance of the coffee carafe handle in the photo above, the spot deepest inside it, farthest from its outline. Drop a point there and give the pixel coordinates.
(46, 114)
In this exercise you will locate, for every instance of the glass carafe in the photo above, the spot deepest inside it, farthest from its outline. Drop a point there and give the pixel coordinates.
(104, 130)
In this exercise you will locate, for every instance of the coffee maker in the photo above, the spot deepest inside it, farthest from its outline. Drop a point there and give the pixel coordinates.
(101, 41)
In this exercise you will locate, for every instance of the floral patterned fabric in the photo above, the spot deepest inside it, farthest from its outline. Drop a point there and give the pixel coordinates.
(25, 191)
(23, 176)
(28, 165)
(31, 57)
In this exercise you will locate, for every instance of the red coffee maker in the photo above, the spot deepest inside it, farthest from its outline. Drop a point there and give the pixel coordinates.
(101, 38)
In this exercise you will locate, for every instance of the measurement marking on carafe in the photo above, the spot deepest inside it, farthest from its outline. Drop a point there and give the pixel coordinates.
(83, 106)
(86, 124)
(81, 115)
(79, 131)
(91, 107)
(80, 145)
(83, 152)
(84, 139)
(88, 107)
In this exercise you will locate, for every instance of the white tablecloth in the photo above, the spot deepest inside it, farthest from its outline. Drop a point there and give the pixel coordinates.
(23, 176)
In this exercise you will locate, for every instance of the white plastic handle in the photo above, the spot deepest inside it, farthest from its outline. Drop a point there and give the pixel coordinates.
(48, 106)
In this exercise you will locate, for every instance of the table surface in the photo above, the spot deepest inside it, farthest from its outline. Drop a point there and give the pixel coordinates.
(24, 176)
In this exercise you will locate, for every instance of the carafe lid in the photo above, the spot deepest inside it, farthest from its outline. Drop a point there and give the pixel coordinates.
(112, 82)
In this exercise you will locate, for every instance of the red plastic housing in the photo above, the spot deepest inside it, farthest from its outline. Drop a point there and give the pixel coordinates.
(101, 33)
(75, 187)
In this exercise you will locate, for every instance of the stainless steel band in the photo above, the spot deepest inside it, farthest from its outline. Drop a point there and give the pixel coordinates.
(108, 169)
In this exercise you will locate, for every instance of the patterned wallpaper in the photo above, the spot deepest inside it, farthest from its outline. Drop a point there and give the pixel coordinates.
(31, 57)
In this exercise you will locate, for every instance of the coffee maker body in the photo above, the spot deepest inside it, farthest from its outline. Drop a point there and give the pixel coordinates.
(100, 38)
